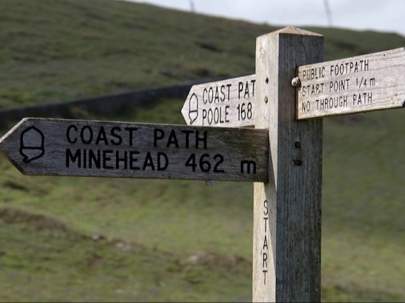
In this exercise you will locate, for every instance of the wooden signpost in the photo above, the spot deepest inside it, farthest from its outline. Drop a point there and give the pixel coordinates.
(228, 103)
(287, 208)
(113, 149)
(283, 155)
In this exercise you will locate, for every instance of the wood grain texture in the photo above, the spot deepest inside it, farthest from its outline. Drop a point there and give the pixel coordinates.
(287, 209)
(113, 149)
(227, 103)
(351, 85)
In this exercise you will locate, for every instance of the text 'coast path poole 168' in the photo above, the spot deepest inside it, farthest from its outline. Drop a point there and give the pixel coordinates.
(115, 149)
(227, 103)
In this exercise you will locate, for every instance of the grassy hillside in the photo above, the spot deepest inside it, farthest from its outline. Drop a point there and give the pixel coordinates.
(124, 240)
(61, 50)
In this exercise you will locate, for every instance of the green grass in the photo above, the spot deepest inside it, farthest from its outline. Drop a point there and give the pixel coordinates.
(67, 49)
(363, 243)
(44, 261)
(92, 239)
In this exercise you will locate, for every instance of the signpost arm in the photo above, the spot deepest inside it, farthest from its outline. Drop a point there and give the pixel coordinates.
(287, 209)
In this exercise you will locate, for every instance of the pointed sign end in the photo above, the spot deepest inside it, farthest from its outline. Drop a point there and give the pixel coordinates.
(4, 138)
(184, 112)
(9, 146)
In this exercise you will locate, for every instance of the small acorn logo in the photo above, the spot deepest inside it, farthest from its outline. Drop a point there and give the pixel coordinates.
(32, 145)
(193, 108)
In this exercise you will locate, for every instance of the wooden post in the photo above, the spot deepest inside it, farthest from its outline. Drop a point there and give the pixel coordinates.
(287, 209)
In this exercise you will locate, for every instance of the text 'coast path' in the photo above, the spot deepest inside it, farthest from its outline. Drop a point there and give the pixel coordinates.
(113, 149)
(227, 103)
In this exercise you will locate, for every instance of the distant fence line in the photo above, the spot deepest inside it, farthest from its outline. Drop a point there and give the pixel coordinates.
(99, 105)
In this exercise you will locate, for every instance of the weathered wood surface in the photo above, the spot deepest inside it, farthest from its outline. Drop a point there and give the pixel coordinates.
(227, 103)
(287, 208)
(113, 149)
(363, 83)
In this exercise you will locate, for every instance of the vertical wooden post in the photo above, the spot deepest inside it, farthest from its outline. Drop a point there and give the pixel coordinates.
(287, 209)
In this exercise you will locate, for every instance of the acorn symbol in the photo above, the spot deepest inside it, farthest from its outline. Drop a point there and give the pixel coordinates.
(193, 108)
(32, 145)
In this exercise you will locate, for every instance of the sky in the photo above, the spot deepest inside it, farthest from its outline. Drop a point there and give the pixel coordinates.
(381, 15)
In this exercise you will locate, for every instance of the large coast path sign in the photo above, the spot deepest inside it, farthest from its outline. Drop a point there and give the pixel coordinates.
(113, 149)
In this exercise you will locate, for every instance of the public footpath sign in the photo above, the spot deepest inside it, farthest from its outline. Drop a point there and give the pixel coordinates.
(357, 84)
(112, 149)
(228, 103)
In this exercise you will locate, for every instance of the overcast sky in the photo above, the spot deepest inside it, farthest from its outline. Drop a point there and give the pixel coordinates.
(382, 15)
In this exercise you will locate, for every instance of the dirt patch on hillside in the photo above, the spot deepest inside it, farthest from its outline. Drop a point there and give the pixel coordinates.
(211, 259)
(10, 215)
